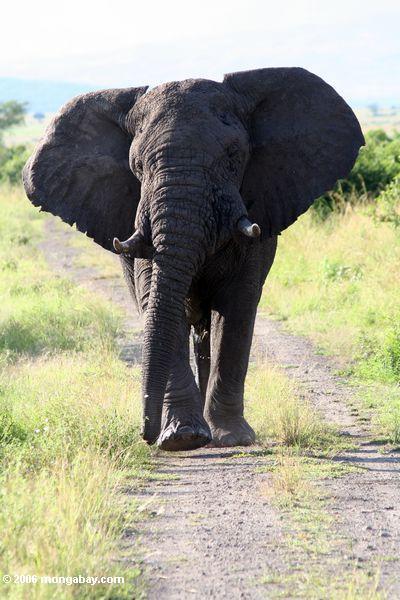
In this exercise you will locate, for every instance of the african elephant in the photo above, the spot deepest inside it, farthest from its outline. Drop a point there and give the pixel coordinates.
(198, 177)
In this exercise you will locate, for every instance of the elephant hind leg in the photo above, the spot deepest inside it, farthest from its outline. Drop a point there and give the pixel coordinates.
(231, 341)
(201, 348)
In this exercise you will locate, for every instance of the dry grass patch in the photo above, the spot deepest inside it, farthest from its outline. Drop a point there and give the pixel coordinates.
(280, 414)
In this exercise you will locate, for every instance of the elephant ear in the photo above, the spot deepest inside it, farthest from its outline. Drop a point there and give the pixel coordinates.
(80, 170)
(303, 136)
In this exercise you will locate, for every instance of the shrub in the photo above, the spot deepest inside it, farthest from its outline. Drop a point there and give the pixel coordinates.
(377, 166)
(378, 162)
(12, 113)
(336, 271)
(387, 207)
(12, 161)
(379, 358)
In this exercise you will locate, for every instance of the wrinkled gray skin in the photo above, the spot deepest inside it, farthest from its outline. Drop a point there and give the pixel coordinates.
(202, 155)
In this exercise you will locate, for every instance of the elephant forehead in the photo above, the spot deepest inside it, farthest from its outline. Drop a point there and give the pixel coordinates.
(182, 97)
(185, 119)
(188, 88)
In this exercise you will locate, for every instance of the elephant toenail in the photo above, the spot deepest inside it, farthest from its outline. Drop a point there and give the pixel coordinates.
(203, 432)
(247, 441)
(185, 432)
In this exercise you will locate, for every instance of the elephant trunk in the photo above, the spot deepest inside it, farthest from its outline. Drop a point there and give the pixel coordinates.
(179, 237)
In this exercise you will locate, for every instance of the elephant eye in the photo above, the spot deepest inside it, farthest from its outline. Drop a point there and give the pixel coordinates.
(224, 118)
(233, 158)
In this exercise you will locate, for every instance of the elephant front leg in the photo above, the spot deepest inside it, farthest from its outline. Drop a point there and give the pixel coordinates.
(231, 336)
(232, 323)
(183, 425)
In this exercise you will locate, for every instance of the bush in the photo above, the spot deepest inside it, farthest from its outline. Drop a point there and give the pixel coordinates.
(377, 165)
(12, 113)
(387, 207)
(12, 161)
(379, 356)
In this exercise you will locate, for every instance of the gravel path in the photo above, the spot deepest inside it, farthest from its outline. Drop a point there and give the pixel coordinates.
(213, 532)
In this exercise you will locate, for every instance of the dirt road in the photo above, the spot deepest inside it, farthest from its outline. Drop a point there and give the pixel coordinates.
(214, 532)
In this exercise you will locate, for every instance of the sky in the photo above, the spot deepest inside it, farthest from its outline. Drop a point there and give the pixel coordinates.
(353, 44)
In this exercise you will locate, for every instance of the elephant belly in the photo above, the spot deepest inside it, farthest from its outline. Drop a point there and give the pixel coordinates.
(197, 312)
(217, 271)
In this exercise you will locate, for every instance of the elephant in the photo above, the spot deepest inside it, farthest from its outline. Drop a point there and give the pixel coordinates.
(191, 182)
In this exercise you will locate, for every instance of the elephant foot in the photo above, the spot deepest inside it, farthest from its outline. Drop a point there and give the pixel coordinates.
(230, 431)
(187, 432)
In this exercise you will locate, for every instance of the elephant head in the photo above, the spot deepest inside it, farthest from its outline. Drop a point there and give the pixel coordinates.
(176, 172)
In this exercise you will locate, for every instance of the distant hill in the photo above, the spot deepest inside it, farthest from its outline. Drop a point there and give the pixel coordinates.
(42, 96)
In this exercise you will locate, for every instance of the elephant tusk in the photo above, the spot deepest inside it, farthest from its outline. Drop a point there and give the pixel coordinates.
(135, 246)
(117, 246)
(247, 228)
(130, 245)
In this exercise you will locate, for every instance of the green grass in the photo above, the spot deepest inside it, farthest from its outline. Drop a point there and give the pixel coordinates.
(314, 585)
(337, 282)
(41, 312)
(384, 403)
(69, 425)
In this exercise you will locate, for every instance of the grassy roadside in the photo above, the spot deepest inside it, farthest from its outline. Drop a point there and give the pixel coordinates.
(337, 282)
(302, 452)
(105, 264)
(68, 424)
